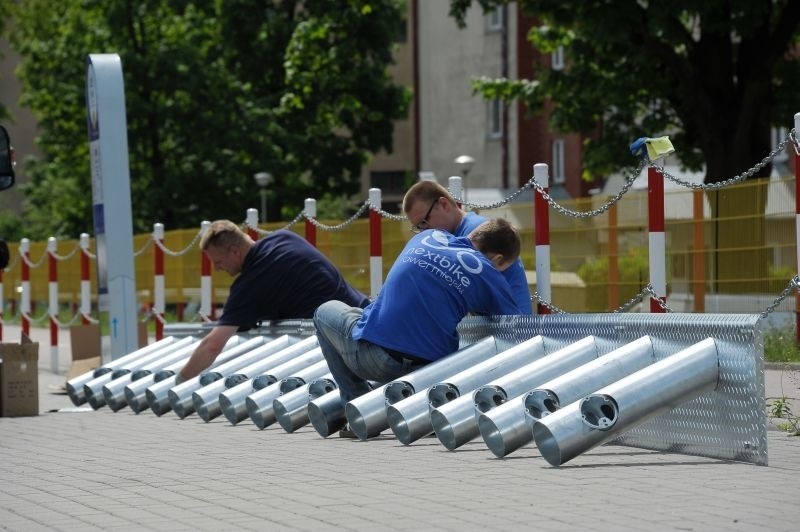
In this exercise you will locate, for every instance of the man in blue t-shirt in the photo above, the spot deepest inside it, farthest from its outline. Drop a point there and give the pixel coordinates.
(429, 205)
(281, 276)
(437, 279)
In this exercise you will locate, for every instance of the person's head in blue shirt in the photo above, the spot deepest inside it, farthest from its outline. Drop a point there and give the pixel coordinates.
(498, 240)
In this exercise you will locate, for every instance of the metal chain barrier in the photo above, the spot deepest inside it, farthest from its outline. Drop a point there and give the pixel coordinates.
(791, 136)
(144, 248)
(68, 255)
(793, 284)
(500, 203)
(549, 305)
(90, 319)
(36, 264)
(344, 224)
(265, 232)
(595, 212)
(70, 323)
(31, 319)
(174, 253)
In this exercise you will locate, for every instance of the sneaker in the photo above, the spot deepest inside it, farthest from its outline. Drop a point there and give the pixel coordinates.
(347, 433)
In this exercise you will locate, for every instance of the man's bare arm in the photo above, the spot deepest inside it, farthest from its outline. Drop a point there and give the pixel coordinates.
(205, 354)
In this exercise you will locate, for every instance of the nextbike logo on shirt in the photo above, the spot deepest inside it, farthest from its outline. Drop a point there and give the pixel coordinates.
(435, 256)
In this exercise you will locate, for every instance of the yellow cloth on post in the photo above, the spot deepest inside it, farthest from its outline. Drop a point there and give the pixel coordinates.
(658, 147)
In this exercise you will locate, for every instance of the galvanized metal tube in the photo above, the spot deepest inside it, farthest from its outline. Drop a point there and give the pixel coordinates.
(260, 403)
(75, 385)
(410, 418)
(206, 399)
(500, 408)
(326, 413)
(589, 377)
(262, 417)
(262, 366)
(628, 403)
(93, 390)
(136, 391)
(114, 391)
(452, 388)
(180, 396)
(232, 400)
(247, 352)
(291, 408)
(157, 395)
(367, 415)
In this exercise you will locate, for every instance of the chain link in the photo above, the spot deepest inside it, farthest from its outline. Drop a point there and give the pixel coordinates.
(90, 319)
(500, 203)
(390, 216)
(31, 319)
(741, 177)
(603, 208)
(144, 248)
(70, 323)
(795, 141)
(548, 304)
(265, 232)
(793, 284)
(33, 265)
(171, 253)
(68, 255)
(344, 224)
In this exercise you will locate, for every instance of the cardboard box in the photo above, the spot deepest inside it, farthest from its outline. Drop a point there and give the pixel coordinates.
(19, 378)
(86, 347)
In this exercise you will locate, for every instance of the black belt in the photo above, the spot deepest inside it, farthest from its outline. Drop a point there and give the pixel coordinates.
(399, 356)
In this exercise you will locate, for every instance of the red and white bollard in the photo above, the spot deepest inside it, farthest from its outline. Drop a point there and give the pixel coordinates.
(251, 220)
(86, 284)
(375, 243)
(311, 214)
(657, 241)
(25, 282)
(541, 228)
(159, 299)
(52, 292)
(205, 279)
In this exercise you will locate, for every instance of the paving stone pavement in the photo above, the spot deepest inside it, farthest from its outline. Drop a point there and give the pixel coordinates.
(77, 469)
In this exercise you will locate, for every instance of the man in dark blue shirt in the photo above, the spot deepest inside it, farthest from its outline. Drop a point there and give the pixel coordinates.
(279, 277)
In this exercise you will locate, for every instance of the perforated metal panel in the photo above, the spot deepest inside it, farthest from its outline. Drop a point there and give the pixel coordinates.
(728, 423)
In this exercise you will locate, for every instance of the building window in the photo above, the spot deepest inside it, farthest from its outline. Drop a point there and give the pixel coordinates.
(557, 171)
(495, 119)
(557, 59)
(494, 19)
(392, 182)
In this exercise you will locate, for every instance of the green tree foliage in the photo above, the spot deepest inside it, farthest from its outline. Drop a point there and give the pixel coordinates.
(216, 90)
(714, 75)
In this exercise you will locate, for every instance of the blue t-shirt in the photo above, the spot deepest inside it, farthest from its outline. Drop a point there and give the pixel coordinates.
(282, 277)
(514, 275)
(437, 279)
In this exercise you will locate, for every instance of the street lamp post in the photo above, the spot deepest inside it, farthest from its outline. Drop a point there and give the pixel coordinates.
(263, 179)
(465, 162)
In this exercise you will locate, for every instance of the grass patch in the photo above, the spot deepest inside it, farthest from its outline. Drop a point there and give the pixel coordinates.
(780, 345)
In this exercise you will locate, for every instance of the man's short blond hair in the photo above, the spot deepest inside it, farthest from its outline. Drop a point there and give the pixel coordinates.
(426, 192)
(222, 233)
